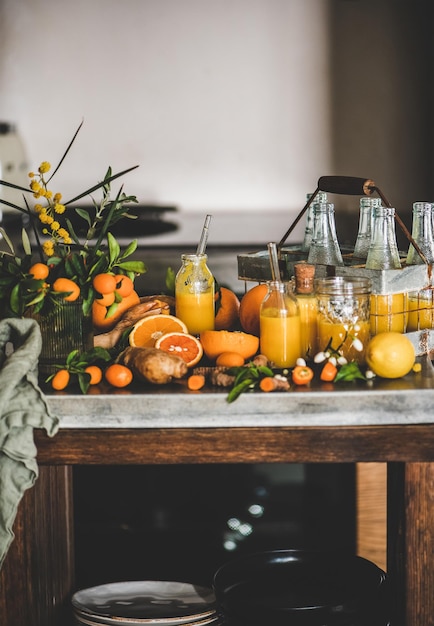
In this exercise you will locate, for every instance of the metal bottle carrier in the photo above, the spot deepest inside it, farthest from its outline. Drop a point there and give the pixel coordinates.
(255, 266)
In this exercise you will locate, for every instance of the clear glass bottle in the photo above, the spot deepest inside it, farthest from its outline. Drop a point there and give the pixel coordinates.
(194, 293)
(324, 248)
(279, 323)
(321, 196)
(388, 311)
(364, 235)
(383, 251)
(422, 233)
(308, 306)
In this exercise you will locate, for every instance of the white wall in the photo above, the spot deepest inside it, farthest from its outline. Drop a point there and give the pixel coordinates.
(223, 103)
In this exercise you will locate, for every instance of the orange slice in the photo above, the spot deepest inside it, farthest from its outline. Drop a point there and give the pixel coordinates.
(149, 329)
(187, 346)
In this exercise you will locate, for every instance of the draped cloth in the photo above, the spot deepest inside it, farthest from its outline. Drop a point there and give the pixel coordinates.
(22, 408)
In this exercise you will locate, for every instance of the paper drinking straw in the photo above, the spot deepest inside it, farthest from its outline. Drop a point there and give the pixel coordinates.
(204, 236)
(274, 261)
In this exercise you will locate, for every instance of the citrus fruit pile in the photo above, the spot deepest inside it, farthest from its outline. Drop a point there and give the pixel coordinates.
(115, 294)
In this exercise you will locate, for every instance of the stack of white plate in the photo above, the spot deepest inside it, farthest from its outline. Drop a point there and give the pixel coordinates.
(150, 602)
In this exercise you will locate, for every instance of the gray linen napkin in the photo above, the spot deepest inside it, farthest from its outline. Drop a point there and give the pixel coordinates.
(22, 408)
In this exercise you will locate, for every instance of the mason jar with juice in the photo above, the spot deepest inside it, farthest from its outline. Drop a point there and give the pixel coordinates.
(279, 321)
(343, 315)
(194, 294)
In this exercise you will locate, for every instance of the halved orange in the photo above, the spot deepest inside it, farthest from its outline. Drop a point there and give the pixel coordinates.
(214, 342)
(149, 329)
(187, 346)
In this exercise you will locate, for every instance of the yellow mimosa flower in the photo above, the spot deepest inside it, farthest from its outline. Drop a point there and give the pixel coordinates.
(44, 167)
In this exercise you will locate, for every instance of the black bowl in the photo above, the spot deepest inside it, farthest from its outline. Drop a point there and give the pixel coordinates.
(301, 588)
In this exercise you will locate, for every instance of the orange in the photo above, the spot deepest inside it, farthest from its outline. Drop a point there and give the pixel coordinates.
(124, 285)
(99, 313)
(39, 271)
(60, 380)
(104, 283)
(230, 359)
(215, 342)
(227, 309)
(67, 285)
(249, 308)
(106, 299)
(187, 346)
(118, 375)
(95, 374)
(150, 328)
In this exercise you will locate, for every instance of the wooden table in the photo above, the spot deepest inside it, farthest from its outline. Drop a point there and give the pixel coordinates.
(389, 423)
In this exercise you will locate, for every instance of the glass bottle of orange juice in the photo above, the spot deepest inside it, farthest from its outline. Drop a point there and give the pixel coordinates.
(308, 305)
(388, 311)
(194, 293)
(279, 324)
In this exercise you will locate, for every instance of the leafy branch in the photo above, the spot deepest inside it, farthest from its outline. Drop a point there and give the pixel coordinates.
(247, 378)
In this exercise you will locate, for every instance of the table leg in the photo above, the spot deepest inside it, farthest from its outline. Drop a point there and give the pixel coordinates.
(37, 575)
(411, 541)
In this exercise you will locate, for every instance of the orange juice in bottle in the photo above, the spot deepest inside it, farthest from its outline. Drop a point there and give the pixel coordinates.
(194, 294)
(308, 306)
(388, 311)
(279, 321)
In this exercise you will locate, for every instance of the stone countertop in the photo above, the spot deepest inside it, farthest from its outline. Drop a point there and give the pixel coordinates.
(409, 400)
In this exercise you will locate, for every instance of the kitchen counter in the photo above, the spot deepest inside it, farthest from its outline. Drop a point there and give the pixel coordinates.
(404, 401)
(392, 422)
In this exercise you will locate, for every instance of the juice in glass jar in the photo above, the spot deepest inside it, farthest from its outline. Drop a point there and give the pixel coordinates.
(388, 313)
(194, 294)
(342, 335)
(196, 310)
(280, 337)
(420, 311)
(343, 315)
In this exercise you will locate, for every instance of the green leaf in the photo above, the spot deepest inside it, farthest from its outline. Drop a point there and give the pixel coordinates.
(85, 215)
(114, 249)
(38, 298)
(99, 185)
(72, 232)
(67, 150)
(348, 372)
(15, 301)
(132, 247)
(26, 242)
(137, 267)
(8, 241)
(83, 381)
(71, 357)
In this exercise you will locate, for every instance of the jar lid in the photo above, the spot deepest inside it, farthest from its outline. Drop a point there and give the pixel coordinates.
(343, 285)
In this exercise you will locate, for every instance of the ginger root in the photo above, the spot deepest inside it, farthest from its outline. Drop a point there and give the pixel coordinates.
(274, 383)
(151, 305)
(153, 365)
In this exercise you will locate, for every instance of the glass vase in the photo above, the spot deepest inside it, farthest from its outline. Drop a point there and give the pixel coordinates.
(63, 329)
